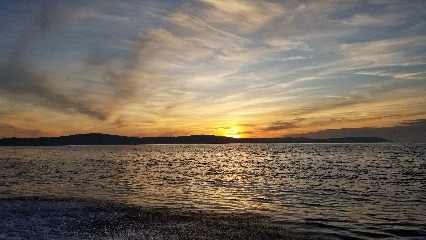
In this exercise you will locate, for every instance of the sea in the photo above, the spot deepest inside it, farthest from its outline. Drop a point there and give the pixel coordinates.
(216, 191)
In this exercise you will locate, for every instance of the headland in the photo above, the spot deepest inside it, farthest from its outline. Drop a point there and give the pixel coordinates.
(107, 139)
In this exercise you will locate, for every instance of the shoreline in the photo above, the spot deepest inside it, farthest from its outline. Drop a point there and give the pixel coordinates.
(112, 220)
(106, 139)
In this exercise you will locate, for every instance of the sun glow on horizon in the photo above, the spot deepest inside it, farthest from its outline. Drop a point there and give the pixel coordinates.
(233, 136)
(233, 131)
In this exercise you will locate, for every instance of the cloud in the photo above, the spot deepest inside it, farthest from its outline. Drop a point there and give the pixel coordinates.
(9, 130)
(280, 125)
(122, 79)
(411, 130)
(19, 80)
(244, 16)
(259, 62)
(56, 14)
(363, 20)
(390, 52)
(26, 86)
(375, 107)
(388, 73)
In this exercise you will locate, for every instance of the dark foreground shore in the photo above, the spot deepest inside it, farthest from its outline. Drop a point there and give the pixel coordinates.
(43, 218)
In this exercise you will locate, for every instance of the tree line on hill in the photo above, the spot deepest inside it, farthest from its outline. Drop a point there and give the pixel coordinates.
(107, 139)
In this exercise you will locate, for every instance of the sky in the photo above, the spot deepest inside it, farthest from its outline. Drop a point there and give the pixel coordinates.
(229, 68)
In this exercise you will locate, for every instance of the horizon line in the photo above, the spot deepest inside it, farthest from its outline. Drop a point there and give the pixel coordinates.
(191, 135)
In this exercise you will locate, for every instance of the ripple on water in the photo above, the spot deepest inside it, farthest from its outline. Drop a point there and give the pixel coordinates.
(363, 185)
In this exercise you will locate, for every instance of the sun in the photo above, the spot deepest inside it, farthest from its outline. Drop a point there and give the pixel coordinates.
(234, 132)
(233, 136)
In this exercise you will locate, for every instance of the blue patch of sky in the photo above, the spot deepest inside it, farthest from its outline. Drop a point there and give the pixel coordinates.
(406, 69)
(413, 15)
(361, 7)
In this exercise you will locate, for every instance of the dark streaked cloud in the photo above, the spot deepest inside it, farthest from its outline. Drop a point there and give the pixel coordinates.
(24, 84)
(261, 68)
(122, 75)
(9, 130)
(280, 125)
(413, 130)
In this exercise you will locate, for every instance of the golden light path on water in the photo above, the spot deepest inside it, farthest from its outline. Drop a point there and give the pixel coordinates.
(215, 184)
(361, 190)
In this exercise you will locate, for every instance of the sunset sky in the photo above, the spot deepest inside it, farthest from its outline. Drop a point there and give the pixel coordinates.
(230, 68)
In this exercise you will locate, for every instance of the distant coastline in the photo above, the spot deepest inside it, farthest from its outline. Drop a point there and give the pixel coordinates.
(107, 139)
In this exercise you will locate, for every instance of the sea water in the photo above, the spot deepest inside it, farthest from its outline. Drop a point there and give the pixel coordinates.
(228, 191)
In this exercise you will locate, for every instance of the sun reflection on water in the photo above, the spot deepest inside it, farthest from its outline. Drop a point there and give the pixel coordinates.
(296, 182)
(204, 177)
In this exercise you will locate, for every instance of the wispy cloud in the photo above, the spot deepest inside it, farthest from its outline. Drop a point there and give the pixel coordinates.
(280, 125)
(121, 83)
(273, 67)
(406, 131)
(14, 131)
(242, 15)
(390, 52)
